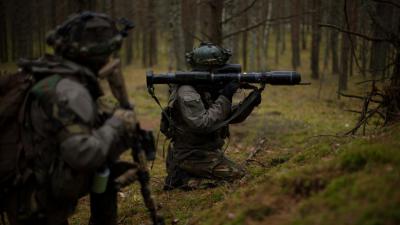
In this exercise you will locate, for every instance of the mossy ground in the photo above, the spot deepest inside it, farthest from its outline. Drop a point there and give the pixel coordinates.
(305, 171)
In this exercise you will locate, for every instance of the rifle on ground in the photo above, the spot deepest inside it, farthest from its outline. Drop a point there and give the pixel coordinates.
(143, 148)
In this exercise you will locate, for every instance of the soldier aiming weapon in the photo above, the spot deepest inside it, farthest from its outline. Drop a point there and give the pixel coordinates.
(200, 110)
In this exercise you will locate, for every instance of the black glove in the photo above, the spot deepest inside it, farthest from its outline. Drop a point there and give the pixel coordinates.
(230, 89)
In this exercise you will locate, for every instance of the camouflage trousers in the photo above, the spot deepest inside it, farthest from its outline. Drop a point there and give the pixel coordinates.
(200, 169)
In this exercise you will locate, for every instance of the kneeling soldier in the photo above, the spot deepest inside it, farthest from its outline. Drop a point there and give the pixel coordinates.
(195, 153)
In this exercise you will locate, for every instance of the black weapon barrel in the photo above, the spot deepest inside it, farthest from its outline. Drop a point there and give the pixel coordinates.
(193, 78)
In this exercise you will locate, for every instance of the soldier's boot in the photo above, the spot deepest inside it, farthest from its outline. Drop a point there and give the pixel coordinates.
(228, 170)
(199, 183)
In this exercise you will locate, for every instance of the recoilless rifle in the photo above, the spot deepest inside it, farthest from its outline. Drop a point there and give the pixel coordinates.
(224, 75)
(217, 78)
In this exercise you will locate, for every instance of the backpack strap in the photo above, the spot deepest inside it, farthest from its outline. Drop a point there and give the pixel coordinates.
(168, 117)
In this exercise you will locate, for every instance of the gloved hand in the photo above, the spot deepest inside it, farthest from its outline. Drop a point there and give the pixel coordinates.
(230, 89)
(123, 173)
(128, 118)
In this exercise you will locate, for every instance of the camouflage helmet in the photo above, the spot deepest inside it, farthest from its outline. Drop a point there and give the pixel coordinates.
(87, 34)
(208, 55)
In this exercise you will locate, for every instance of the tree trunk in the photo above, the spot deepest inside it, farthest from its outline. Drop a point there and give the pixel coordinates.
(244, 50)
(244, 22)
(152, 26)
(295, 28)
(277, 27)
(353, 25)
(144, 17)
(383, 15)
(327, 50)
(211, 17)
(176, 34)
(393, 93)
(188, 20)
(267, 11)
(334, 40)
(334, 35)
(128, 8)
(304, 7)
(232, 42)
(22, 25)
(3, 33)
(316, 37)
(344, 65)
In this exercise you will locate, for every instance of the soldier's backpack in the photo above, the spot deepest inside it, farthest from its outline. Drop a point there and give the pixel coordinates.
(14, 89)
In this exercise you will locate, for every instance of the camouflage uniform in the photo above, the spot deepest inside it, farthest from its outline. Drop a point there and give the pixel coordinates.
(70, 138)
(196, 151)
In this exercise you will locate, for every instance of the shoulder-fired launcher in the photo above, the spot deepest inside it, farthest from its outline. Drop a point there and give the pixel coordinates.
(224, 76)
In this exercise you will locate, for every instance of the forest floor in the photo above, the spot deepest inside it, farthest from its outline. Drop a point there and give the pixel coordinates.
(301, 169)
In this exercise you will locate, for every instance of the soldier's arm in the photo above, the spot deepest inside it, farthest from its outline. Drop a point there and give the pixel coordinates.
(81, 146)
(246, 107)
(196, 115)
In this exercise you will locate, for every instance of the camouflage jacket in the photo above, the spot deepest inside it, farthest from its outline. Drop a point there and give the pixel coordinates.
(68, 135)
(194, 117)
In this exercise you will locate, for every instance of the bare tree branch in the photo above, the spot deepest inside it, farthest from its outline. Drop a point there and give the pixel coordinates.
(363, 120)
(373, 80)
(357, 97)
(388, 2)
(355, 33)
(262, 23)
(240, 13)
(193, 35)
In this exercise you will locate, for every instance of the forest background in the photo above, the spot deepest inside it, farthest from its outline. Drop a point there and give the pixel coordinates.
(320, 154)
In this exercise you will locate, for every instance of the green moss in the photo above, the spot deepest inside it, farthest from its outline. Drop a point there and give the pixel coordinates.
(358, 199)
(361, 153)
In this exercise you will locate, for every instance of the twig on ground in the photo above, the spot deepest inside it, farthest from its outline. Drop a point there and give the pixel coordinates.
(257, 162)
(259, 147)
(358, 97)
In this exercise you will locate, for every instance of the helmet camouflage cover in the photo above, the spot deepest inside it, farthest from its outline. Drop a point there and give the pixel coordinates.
(208, 55)
(87, 34)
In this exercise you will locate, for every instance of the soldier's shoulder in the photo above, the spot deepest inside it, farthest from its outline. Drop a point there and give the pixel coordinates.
(70, 88)
(67, 95)
(76, 97)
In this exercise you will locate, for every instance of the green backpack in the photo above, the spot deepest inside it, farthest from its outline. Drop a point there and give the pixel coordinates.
(14, 90)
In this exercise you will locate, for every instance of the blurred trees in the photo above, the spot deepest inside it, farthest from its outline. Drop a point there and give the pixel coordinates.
(258, 31)
(354, 37)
